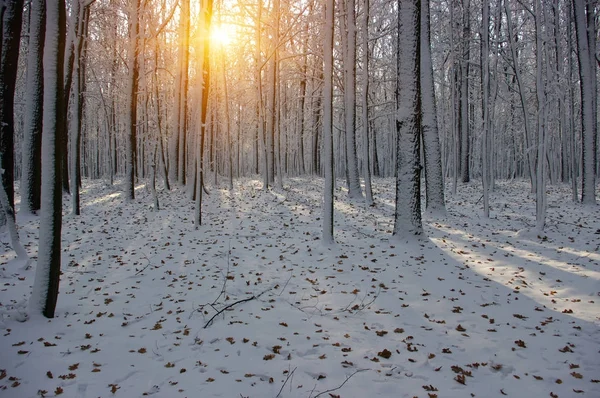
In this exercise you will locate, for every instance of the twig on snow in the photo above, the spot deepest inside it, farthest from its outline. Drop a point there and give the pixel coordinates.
(235, 303)
(147, 265)
(286, 380)
(286, 283)
(341, 385)
(225, 279)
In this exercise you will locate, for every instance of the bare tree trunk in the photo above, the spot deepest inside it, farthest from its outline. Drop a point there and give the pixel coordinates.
(352, 176)
(407, 215)
(522, 89)
(485, 90)
(10, 17)
(465, 134)
(328, 124)
(181, 115)
(540, 192)
(31, 182)
(47, 275)
(587, 71)
(434, 179)
(365, 105)
(573, 157)
(205, 19)
(131, 103)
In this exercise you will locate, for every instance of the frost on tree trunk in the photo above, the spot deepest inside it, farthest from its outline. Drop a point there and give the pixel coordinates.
(407, 216)
(588, 116)
(204, 49)
(31, 180)
(47, 277)
(365, 105)
(434, 182)
(10, 36)
(11, 224)
(77, 108)
(352, 176)
(485, 94)
(180, 116)
(327, 155)
(540, 191)
(131, 102)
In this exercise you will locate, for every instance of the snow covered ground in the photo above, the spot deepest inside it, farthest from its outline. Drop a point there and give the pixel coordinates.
(254, 305)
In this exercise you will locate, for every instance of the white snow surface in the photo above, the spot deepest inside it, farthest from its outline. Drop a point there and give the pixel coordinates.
(479, 308)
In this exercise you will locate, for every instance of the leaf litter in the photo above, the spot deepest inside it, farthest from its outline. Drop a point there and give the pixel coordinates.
(253, 304)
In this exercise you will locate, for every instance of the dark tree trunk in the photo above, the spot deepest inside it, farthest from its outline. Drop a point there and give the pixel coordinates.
(11, 16)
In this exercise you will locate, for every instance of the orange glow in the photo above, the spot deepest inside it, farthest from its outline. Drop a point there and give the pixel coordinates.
(222, 34)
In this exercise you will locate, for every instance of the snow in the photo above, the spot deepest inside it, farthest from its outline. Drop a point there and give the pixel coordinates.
(514, 312)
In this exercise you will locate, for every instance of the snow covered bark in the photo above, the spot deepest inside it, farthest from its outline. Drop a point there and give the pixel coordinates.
(31, 180)
(588, 115)
(407, 215)
(11, 223)
(512, 36)
(204, 66)
(364, 101)
(181, 124)
(434, 181)
(11, 33)
(486, 108)
(131, 102)
(540, 191)
(465, 130)
(47, 277)
(77, 108)
(352, 176)
(327, 155)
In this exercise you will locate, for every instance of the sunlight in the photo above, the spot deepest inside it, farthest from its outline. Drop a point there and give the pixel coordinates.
(222, 34)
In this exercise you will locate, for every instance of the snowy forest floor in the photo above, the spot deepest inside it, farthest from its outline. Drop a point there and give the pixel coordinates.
(478, 308)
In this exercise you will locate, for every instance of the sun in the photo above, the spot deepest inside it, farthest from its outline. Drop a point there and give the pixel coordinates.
(221, 34)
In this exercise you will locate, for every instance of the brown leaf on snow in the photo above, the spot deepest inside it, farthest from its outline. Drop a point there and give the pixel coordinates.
(58, 391)
(520, 343)
(384, 354)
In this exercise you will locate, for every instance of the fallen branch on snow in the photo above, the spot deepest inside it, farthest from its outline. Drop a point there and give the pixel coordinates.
(256, 296)
(341, 385)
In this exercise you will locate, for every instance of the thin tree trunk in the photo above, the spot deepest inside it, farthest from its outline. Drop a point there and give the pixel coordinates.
(541, 128)
(328, 124)
(588, 114)
(205, 19)
(526, 125)
(131, 103)
(407, 215)
(465, 133)
(47, 277)
(365, 105)
(434, 179)
(31, 182)
(352, 175)
(10, 35)
(485, 92)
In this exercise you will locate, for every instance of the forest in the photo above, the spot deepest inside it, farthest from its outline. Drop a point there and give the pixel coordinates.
(409, 185)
